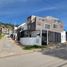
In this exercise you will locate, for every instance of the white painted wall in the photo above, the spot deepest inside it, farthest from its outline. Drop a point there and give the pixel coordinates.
(63, 37)
(31, 41)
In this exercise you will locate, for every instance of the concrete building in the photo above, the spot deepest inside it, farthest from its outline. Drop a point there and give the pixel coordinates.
(42, 31)
(19, 31)
(48, 28)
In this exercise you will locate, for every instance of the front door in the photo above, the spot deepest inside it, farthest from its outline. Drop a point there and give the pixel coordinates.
(44, 38)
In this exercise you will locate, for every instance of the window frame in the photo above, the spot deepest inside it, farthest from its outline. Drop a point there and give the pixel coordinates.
(55, 26)
(48, 26)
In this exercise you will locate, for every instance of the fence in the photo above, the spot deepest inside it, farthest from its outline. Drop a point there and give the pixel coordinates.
(31, 41)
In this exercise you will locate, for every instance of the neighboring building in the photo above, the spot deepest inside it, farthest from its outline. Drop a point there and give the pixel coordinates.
(23, 26)
(42, 31)
(18, 31)
(5, 30)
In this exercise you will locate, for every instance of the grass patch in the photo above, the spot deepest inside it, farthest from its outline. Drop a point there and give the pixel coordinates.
(1, 35)
(32, 47)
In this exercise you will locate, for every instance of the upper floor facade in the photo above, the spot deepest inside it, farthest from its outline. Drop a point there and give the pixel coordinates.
(44, 23)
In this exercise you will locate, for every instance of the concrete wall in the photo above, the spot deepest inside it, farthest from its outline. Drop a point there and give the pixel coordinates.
(63, 37)
(34, 33)
(40, 24)
(31, 41)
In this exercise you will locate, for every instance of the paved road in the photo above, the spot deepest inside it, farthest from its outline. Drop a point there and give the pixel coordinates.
(57, 52)
(36, 59)
(49, 58)
(8, 47)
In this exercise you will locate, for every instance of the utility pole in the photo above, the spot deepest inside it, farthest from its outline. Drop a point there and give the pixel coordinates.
(47, 37)
(41, 35)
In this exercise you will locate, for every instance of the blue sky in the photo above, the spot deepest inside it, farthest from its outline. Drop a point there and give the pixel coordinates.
(16, 11)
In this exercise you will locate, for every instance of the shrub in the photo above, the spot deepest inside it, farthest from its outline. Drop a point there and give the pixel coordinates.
(31, 47)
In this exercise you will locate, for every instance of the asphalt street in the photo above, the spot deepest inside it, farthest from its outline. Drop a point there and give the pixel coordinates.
(45, 58)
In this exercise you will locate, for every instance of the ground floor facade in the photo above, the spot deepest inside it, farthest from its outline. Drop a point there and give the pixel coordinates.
(40, 37)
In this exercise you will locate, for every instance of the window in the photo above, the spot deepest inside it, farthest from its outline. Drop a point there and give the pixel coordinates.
(47, 26)
(54, 26)
(58, 21)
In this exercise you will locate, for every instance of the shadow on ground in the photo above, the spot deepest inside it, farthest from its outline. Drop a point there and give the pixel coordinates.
(56, 52)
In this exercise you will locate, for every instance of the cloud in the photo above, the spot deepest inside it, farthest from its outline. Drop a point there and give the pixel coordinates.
(58, 7)
(45, 9)
(24, 7)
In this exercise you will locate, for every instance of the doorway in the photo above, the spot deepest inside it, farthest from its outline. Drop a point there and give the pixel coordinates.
(44, 38)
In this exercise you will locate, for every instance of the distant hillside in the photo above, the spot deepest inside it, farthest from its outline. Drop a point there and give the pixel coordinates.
(7, 25)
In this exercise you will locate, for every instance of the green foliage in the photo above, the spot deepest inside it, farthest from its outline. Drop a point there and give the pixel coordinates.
(31, 47)
(7, 25)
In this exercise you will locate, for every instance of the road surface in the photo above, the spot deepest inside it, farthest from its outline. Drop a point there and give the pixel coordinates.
(36, 59)
(9, 47)
(50, 58)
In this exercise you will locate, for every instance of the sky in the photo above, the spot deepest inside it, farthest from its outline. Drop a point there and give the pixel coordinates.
(16, 11)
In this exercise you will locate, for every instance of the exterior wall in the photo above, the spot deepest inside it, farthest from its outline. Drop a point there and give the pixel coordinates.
(40, 24)
(24, 27)
(31, 41)
(35, 33)
(63, 37)
(31, 23)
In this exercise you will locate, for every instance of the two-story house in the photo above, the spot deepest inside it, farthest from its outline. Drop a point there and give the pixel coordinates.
(48, 28)
(41, 31)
